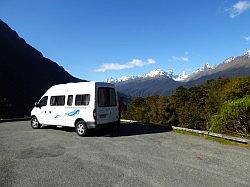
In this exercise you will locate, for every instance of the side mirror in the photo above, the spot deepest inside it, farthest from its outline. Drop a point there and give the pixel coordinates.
(37, 104)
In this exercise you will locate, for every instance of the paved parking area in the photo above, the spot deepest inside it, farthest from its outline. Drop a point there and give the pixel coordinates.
(136, 156)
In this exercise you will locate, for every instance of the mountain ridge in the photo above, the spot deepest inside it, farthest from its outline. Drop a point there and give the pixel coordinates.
(156, 73)
(25, 74)
(164, 83)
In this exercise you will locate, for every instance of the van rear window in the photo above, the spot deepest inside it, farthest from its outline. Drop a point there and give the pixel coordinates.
(82, 99)
(106, 97)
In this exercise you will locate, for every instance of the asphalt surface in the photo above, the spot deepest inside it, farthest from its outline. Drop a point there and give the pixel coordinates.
(136, 156)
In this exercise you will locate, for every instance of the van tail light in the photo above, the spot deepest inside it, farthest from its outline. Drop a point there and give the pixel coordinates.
(94, 114)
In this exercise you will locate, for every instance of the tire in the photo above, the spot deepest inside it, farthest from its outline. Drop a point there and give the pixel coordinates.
(81, 128)
(35, 123)
(112, 127)
(118, 123)
(115, 128)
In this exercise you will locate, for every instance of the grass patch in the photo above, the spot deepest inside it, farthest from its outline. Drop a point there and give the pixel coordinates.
(216, 139)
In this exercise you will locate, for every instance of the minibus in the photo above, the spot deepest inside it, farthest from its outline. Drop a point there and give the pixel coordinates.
(83, 105)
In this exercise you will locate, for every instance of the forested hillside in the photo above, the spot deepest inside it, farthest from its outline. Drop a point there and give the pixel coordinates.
(221, 105)
(24, 74)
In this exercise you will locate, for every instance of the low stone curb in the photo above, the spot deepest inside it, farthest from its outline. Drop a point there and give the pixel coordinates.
(129, 121)
(14, 119)
(231, 138)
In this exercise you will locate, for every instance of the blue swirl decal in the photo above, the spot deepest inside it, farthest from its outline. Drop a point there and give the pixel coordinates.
(72, 113)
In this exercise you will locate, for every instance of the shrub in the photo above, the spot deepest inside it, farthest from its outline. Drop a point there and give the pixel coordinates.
(233, 117)
(137, 110)
(237, 88)
(190, 116)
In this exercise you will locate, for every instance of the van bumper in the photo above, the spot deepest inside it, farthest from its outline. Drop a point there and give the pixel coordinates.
(93, 125)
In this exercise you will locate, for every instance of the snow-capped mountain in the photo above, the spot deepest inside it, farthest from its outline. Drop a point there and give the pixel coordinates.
(233, 66)
(154, 74)
(206, 67)
(247, 53)
(159, 82)
(229, 60)
(182, 77)
(159, 73)
(205, 70)
(122, 79)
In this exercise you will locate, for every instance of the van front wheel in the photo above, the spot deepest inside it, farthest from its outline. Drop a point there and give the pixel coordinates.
(81, 128)
(34, 123)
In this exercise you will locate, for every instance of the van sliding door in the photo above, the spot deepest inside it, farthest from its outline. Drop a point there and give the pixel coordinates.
(57, 110)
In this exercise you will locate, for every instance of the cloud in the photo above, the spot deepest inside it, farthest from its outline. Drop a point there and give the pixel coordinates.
(247, 38)
(133, 63)
(150, 61)
(179, 58)
(238, 8)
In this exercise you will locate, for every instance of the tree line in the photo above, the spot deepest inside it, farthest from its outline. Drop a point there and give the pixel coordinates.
(221, 105)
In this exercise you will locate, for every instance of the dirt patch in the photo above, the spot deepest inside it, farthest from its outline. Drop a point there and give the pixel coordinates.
(41, 152)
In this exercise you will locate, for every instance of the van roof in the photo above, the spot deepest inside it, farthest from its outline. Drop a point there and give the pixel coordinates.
(71, 84)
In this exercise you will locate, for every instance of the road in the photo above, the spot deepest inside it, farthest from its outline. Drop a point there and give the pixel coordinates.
(136, 156)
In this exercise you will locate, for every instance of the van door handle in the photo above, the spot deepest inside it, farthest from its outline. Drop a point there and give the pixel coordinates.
(50, 112)
(110, 112)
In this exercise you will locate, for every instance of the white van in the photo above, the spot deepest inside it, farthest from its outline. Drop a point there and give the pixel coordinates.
(84, 105)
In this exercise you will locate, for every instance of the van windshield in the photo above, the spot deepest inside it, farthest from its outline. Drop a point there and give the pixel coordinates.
(106, 97)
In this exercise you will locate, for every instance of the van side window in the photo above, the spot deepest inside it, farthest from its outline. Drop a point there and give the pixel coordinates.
(43, 101)
(57, 100)
(106, 97)
(82, 99)
(70, 100)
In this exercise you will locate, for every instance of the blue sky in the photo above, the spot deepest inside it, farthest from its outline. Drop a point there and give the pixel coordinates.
(99, 39)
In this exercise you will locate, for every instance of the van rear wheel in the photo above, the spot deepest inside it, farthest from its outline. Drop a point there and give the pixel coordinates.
(81, 128)
(34, 123)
